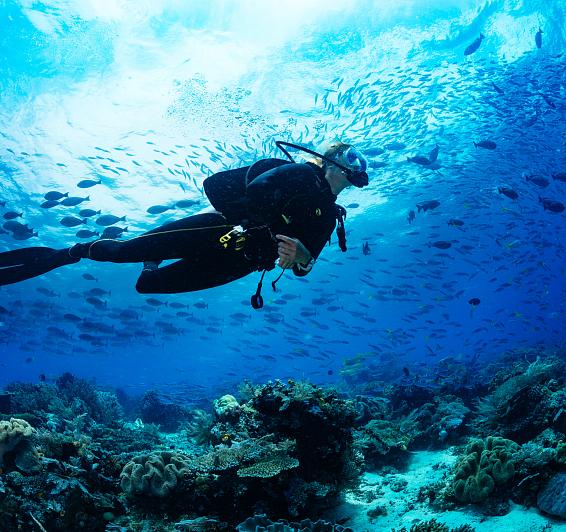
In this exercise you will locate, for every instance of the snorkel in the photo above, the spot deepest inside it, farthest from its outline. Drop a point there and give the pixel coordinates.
(358, 177)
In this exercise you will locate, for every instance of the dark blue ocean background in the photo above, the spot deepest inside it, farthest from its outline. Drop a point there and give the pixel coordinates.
(152, 97)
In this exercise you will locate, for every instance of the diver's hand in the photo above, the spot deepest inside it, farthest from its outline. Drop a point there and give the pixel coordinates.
(291, 251)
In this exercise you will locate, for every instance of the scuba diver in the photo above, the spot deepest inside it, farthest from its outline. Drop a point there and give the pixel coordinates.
(273, 209)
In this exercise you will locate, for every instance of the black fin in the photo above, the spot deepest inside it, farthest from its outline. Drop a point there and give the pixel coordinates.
(26, 263)
(22, 256)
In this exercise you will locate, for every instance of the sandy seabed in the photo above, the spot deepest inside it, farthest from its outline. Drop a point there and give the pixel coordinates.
(403, 510)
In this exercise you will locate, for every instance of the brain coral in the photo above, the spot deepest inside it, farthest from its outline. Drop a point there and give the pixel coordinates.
(153, 474)
(485, 465)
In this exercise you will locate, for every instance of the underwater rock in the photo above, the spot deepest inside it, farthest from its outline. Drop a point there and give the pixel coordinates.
(167, 415)
(384, 443)
(552, 498)
(12, 434)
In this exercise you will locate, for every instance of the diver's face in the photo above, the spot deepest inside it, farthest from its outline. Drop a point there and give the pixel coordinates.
(337, 178)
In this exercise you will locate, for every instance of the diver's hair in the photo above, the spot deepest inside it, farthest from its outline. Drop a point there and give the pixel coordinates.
(333, 151)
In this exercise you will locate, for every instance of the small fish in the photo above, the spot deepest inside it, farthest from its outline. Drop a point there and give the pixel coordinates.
(376, 165)
(201, 304)
(89, 277)
(98, 292)
(433, 155)
(538, 180)
(366, 249)
(499, 90)
(455, 222)
(185, 203)
(26, 235)
(71, 317)
(427, 205)
(154, 302)
(559, 176)
(411, 216)
(487, 144)
(73, 200)
(47, 292)
(551, 205)
(475, 45)
(538, 38)
(109, 219)
(54, 196)
(395, 146)
(548, 101)
(113, 232)
(15, 226)
(440, 244)
(71, 221)
(10, 215)
(49, 204)
(96, 302)
(87, 183)
(509, 192)
(85, 233)
(158, 209)
(352, 206)
(474, 301)
(419, 159)
(87, 213)
(373, 152)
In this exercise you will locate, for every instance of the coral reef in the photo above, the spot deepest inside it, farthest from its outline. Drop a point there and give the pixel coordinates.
(283, 449)
(435, 526)
(155, 474)
(260, 523)
(13, 434)
(290, 445)
(524, 400)
(485, 465)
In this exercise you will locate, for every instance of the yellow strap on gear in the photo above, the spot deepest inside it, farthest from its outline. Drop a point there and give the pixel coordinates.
(239, 242)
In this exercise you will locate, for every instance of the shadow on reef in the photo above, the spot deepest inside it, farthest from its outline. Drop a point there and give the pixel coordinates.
(72, 459)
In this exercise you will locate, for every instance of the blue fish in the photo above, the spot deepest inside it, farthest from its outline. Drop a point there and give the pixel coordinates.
(474, 46)
(538, 38)
(487, 144)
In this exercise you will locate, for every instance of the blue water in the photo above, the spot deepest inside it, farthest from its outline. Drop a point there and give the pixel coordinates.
(152, 97)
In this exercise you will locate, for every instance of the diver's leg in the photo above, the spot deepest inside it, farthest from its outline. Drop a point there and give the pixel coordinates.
(174, 240)
(19, 257)
(26, 263)
(216, 268)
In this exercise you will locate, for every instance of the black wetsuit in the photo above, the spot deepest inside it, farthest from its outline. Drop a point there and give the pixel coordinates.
(273, 196)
